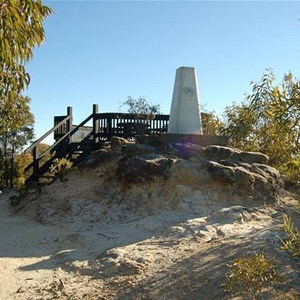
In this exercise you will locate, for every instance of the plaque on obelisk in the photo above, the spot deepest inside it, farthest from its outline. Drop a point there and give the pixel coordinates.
(185, 112)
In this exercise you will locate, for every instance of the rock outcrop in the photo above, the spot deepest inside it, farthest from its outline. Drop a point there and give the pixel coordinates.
(151, 175)
(220, 171)
(244, 170)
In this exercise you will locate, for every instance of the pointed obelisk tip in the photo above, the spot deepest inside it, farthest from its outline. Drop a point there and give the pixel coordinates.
(185, 115)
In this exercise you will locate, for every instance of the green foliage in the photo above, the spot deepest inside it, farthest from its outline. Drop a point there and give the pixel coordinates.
(248, 276)
(21, 30)
(142, 111)
(16, 114)
(22, 21)
(291, 172)
(239, 126)
(292, 242)
(211, 123)
(22, 160)
(60, 167)
(16, 130)
(141, 106)
(268, 120)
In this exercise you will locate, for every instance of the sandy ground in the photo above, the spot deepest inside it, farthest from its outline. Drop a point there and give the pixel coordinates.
(163, 256)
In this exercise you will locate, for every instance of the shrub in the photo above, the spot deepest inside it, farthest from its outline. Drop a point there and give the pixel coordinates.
(248, 276)
(291, 172)
(60, 167)
(292, 242)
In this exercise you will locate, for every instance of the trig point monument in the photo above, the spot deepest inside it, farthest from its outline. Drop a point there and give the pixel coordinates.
(185, 112)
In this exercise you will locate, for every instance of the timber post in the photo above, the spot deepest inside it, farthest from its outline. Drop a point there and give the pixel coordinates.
(67, 127)
(95, 125)
(36, 164)
(69, 123)
(109, 128)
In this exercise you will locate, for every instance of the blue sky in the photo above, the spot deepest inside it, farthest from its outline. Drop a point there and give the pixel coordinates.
(103, 51)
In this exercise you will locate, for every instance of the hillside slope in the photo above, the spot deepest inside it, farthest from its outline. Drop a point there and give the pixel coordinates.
(135, 222)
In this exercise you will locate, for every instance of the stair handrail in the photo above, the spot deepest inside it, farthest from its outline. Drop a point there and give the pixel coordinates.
(69, 133)
(38, 141)
(61, 151)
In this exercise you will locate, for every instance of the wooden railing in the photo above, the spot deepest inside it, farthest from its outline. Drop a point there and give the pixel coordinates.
(64, 136)
(70, 138)
(34, 149)
(128, 125)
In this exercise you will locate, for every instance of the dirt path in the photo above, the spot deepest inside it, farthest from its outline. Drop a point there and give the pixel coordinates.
(164, 256)
(23, 243)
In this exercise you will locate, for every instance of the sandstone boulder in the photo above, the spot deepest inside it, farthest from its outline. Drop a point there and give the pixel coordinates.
(151, 140)
(183, 150)
(132, 150)
(253, 157)
(143, 167)
(218, 153)
(99, 157)
(243, 171)
(118, 141)
(221, 172)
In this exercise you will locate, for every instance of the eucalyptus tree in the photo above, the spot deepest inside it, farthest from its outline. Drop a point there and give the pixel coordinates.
(269, 119)
(21, 30)
(16, 131)
(211, 123)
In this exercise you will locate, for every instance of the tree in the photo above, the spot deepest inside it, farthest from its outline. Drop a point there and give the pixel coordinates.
(13, 165)
(268, 120)
(142, 112)
(21, 30)
(16, 131)
(211, 123)
(141, 106)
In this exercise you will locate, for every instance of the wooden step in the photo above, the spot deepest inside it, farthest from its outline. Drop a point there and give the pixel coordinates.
(80, 150)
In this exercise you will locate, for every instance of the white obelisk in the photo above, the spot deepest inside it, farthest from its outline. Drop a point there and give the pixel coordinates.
(185, 111)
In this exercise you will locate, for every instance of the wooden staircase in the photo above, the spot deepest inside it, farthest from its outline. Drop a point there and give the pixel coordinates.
(76, 142)
(65, 145)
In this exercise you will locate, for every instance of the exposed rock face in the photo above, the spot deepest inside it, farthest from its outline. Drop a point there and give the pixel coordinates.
(133, 150)
(194, 172)
(183, 150)
(152, 140)
(244, 170)
(145, 178)
(99, 157)
(140, 167)
(219, 153)
(118, 141)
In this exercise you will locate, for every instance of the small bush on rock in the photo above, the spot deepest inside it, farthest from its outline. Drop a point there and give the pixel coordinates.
(60, 167)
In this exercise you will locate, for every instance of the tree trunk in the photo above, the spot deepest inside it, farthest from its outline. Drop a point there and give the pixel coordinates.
(12, 167)
(6, 179)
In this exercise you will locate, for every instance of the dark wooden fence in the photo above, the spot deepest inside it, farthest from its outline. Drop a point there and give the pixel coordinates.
(129, 125)
(107, 125)
(82, 139)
